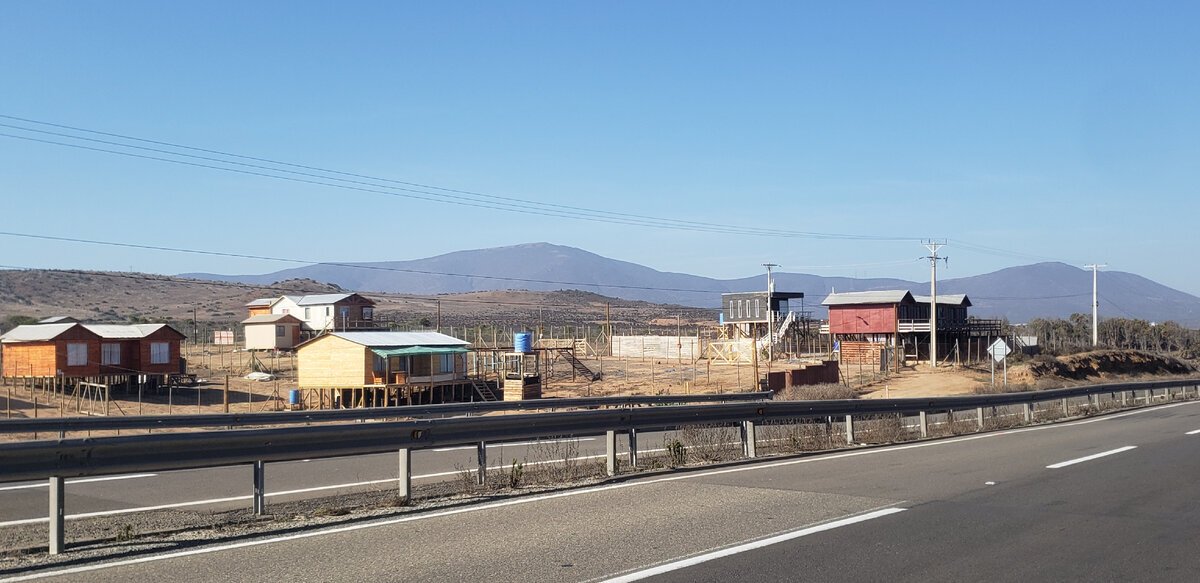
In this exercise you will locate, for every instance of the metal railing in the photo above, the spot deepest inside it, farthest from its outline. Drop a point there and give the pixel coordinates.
(66, 425)
(62, 458)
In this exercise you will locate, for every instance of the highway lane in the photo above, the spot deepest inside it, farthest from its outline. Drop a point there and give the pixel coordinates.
(984, 506)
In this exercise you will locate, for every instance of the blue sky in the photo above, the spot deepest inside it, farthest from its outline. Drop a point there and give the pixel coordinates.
(1018, 131)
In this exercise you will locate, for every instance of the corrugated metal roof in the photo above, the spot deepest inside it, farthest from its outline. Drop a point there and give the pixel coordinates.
(57, 320)
(867, 297)
(378, 339)
(35, 332)
(320, 299)
(271, 319)
(261, 302)
(947, 299)
(115, 331)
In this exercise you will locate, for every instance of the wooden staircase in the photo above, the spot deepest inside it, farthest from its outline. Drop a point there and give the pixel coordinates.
(483, 389)
(579, 367)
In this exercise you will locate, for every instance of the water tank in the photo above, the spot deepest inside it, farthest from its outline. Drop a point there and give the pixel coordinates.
(294, 397)
(523, 342)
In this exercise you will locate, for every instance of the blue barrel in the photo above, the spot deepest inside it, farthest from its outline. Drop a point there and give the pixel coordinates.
(523, 342)
(294, 397)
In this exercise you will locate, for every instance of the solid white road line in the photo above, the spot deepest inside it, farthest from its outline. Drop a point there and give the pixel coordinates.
(45, 484)
(1090, 457)
(758, 544)
(1192, 432)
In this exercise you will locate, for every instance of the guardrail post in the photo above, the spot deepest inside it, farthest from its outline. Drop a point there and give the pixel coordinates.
(1124, 398)
(979, 416)
(1028, 412)
(849, 429)
(405, 487)
(924, 424)
(1065, 406)
(57, 513)
(481, 457)
(610, 442)
(749, 439)
(260, 487)
(633, 449)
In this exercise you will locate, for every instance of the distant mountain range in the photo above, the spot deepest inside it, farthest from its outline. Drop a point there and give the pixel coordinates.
(1048, 290)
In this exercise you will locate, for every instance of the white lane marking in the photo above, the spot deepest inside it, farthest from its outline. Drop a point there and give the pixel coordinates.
(1090, 457)
(758, 544)
(1192, 432)
(494, 445)
(79, 481)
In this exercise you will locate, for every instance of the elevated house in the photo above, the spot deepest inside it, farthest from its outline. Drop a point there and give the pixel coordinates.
(71, 351)
(768, 318)
(328, 312)
(869, 326)
(375, 369)
(272, 331)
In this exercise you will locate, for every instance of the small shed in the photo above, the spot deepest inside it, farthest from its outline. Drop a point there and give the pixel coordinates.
(272, 331)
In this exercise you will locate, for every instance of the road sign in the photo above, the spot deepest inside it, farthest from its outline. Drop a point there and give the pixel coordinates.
(999, 349)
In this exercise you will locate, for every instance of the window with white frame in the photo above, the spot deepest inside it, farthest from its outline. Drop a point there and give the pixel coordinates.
(77, 354)
(446, 363)
(160, 352)
(307, 313)
(110, 354)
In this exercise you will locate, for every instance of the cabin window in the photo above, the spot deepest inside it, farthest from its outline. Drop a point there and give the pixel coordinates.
(160, 352)
(280, 331)
(328, 310)
(76, 354)
(307, 313)
(379, 364)
(368, 313)
(445, 363)
(756, 312)
(110, 354)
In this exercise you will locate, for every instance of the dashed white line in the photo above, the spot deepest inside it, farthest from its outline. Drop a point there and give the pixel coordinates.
(1192, 432)
(1090, 457)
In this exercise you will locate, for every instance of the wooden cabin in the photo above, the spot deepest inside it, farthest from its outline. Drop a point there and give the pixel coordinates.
(74, 350)
(342, 369)
(260, 306)
(868, 324)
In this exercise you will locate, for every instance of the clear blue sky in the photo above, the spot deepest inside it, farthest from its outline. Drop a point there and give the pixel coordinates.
(1062, 131)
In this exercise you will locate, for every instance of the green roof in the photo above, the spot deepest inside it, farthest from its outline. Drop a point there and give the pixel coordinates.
(413, 350)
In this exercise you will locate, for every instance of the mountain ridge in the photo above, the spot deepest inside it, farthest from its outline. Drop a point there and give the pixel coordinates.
(1020, 293)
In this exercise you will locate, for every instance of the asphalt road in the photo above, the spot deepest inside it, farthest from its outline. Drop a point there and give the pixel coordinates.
(1107, 498)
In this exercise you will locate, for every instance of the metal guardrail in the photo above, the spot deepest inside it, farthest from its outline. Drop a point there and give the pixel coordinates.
(59, 459)
(62, 425)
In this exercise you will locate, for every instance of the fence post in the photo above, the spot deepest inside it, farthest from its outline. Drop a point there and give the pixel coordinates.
(979, 416)
(924, 424)
(1028, 412)
(405, 487)
(610, 442)
(481, 458)
(849, 429)
(633, 448)
(749, 440)
(260, 489)
(57, 513)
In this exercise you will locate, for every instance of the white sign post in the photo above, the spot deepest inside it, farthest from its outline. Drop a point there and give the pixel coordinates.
(999, 351)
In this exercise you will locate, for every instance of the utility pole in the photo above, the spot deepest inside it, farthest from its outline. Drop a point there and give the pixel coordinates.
(1095, 304)
(770, 314)
(933, 247)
